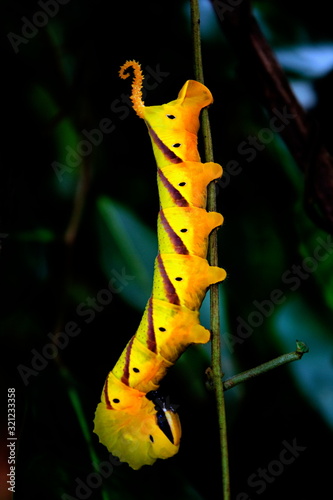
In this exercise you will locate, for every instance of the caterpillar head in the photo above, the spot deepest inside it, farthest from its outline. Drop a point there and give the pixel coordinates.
(133, 428)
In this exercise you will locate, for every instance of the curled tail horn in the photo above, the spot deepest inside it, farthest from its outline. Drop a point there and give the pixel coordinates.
(136, 96)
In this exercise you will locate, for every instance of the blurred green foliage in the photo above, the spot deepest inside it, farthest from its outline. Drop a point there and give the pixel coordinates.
(78, 208)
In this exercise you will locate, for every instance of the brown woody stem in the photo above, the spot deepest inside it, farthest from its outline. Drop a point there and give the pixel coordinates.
(216, 366)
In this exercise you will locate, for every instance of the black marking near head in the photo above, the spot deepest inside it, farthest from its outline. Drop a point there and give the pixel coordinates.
(163, 424)
(172, 117)
(161, 406)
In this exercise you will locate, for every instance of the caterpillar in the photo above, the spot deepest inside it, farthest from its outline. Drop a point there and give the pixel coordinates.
(132, 420)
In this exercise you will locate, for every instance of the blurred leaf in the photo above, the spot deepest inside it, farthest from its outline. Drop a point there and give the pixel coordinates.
(66, 59)
(43, 103)
(42, 235)
(126, 243)
(66, 140)
(85, 427)
(305, 92)
(295, 320)
(310, 60)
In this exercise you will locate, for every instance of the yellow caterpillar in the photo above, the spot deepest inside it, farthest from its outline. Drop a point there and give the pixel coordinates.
(131, 420)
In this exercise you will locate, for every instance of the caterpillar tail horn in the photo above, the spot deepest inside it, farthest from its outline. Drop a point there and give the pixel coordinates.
(136, 97)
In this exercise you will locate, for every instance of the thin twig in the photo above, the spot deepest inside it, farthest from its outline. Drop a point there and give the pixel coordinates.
(216, 368)
(301, 348)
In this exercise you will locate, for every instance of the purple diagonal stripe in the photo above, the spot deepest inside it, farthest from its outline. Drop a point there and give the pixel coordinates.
(177, 242)
(106, 394)
(177, 197)
(125, 376)
(168, 286)
(151, 340)
(170, 155)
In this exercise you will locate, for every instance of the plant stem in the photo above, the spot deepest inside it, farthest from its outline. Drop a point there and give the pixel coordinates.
(301, 348)
(75, 400)
(216, 365)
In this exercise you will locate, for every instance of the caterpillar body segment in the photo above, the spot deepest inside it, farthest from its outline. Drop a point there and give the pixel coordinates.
(186, 231)
(132, 420)
(185, 185)
(142, 371)
(173, 329)
(184, 279)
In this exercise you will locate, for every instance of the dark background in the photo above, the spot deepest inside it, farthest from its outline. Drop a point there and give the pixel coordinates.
(74, 215)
